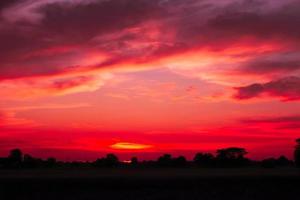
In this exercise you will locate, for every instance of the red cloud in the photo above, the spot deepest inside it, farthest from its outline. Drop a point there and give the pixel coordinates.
(287, 123)
(142, 32)
(71, 83)
(272, 64)
(282, 119)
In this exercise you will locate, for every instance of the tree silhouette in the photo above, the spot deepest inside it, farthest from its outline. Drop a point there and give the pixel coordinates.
(134, 161)
(204, 159)
(165, 160)
(15, 158)
(268, 163)
(232, 156)
(231, 153)
(111, 160)
(29, 161)
(179, 161)
(297, 153)
(227, 157)
(51, 162)
(16, 155)
(283, 161)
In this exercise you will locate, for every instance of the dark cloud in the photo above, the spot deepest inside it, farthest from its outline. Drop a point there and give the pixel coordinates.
(281, 23)
(192, 24)
(64, 24)
(221, 26)
(8, 3)
(84, 21)
(287, 89)
(271, 66)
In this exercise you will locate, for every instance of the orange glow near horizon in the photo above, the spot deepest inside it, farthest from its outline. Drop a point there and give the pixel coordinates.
(130, 146)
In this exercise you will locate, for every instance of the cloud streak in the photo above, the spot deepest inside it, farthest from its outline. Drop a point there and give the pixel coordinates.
(219, 42)
(286, 89)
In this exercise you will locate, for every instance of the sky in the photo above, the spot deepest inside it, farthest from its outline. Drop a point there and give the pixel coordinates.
(81, 78)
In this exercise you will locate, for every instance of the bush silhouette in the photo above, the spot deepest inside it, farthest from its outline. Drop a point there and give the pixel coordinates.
(282, 161)
(268, 163)
(204, 159)
(179, 161)
(134, 161)
(297, 153)
(51, 162)
(231, 157)
(15, 158)
(30, 162)
(165, 160)
(16, 155)
(110, 160)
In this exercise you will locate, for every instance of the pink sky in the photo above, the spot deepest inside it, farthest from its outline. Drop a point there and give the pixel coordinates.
(80, 78)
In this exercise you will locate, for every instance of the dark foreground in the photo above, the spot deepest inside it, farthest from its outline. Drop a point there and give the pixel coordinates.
(133, 184)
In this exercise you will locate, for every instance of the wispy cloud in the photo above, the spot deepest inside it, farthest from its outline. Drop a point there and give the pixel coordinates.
(286, 89)
(216, 41)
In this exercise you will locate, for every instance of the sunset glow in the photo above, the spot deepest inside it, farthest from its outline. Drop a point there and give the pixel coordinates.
(130, 146)
(79, 79)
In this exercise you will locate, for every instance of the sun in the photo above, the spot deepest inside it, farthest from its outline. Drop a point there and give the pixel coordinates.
(130, 146)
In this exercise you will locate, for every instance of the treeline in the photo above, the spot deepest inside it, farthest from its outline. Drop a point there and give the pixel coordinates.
(228, 157)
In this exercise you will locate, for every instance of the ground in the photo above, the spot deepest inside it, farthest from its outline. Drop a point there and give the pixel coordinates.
(206, 184)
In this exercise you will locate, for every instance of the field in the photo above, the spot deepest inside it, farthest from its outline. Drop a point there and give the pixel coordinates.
(206, 184)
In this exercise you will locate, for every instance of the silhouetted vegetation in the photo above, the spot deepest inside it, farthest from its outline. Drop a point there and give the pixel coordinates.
(232, 157)
(15, 158)
(168, 161)
(297, 153)
(227, 157)
(204, 159)
(134, 161)
(282, 161)
(110, 160)
(268, 163)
